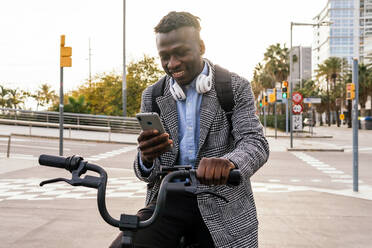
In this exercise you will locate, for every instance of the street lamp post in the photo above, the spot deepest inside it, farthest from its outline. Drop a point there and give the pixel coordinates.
(124, 84)
(290, 68)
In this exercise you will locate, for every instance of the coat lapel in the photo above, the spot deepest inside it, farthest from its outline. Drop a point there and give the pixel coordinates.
(168, 113)
(208, 110)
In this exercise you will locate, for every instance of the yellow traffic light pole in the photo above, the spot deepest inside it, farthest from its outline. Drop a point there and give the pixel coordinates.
(65, 61)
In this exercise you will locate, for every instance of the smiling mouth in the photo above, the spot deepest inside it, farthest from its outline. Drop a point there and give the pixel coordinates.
(178, 74)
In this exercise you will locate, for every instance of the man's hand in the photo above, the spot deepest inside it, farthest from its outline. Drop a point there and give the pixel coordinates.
(214, 171)
(152, 145)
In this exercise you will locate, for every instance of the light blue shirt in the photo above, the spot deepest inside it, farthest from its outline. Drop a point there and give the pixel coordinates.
(188, 124)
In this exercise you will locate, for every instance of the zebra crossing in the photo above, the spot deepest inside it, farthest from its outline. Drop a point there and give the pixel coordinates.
(131, 187)
(110, 153)
(337, 176)
(29, 189)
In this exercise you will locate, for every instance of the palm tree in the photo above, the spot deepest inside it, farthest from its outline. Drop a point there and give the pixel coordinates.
(365, 85)
(4, 100)
(44, 95)
(331, 70)
(76, 105)
(16, 97)
(277, 62)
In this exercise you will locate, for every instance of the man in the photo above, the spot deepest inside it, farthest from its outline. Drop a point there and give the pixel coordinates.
(199, 134)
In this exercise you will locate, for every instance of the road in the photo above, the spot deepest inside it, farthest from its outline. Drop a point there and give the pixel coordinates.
(304, 199)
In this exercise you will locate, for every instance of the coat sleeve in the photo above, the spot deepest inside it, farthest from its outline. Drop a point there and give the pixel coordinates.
(251, 149)
(146, 106)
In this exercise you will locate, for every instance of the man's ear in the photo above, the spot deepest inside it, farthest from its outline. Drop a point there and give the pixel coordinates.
(202, 47)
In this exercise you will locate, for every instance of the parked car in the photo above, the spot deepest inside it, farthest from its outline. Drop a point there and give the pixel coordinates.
(309, 122)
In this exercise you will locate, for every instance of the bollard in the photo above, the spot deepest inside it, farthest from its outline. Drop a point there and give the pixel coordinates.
(8, 150)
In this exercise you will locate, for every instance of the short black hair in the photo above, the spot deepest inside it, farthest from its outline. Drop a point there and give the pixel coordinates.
(174, 20)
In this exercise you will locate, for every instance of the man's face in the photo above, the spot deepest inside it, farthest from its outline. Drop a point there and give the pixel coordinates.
(180, 52)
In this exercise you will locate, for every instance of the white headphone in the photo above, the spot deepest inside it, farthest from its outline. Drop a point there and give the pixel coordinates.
(203, 85)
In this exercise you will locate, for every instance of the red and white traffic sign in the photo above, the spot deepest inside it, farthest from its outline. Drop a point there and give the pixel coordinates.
(297, 97)
(297, 109)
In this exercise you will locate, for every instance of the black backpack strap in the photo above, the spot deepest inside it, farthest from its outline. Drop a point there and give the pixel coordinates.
(157, 90)
(224, 91)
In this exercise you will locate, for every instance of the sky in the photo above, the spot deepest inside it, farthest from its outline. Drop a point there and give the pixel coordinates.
(236, 34)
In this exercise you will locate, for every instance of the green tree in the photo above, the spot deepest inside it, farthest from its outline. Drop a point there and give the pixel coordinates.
(16, 97)
(274, 68)
(331, 69)
(44, 96)
(140, 75)
(276, 60)
(103, 95)
(261, 79)
(4, 99)
(76, 105)
(365, 86)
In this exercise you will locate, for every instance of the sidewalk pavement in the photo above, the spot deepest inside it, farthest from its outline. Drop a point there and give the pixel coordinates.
(319, 141)
(53, 133)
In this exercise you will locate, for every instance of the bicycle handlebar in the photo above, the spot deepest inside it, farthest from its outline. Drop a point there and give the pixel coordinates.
(52, 161)
(77, 166)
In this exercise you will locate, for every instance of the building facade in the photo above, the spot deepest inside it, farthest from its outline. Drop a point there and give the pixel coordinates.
(366, 29)
(301, 67)
(345, 37)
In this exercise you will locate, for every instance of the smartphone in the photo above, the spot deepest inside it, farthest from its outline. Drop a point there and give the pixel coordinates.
(150, 120)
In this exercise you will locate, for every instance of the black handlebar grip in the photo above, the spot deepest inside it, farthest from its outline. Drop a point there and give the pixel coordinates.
(53, 161)
(234, 177)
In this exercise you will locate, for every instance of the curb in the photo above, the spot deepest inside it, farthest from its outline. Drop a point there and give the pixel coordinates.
(315, 149)
(76, 139)
(299, 137)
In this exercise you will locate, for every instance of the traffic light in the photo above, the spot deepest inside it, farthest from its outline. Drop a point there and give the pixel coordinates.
(265, 101)
(260, 103)
(272, 97)
(66, 52)
(285, 90)
(350, 91)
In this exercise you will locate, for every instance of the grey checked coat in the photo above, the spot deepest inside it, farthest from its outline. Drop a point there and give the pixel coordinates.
(232, 224)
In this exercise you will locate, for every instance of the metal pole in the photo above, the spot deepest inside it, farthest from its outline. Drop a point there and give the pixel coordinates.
(124, 68)
(328, 106)
(8, 150)
(265, 118)
(61, 114)
(355, 125)
(90, 65)
(286, 116)
(290, 90)
(276, 120)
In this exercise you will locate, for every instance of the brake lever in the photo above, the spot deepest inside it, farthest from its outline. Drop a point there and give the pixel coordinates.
(192, 186)
(87, 181)
(55, 180)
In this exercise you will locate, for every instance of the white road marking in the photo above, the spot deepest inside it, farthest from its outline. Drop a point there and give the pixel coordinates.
(111, 153)
(360, 149)
(338, 175)
(365, 191)
(131, 187)
(19, 156)
(29, 189)
(37, 147)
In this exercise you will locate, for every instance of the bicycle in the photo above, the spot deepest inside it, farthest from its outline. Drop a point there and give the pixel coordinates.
(129, 224)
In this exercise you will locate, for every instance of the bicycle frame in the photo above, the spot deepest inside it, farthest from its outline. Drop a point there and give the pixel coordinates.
(129, 224)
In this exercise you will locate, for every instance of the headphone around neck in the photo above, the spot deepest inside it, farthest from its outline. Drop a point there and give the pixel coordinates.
(203, 85)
